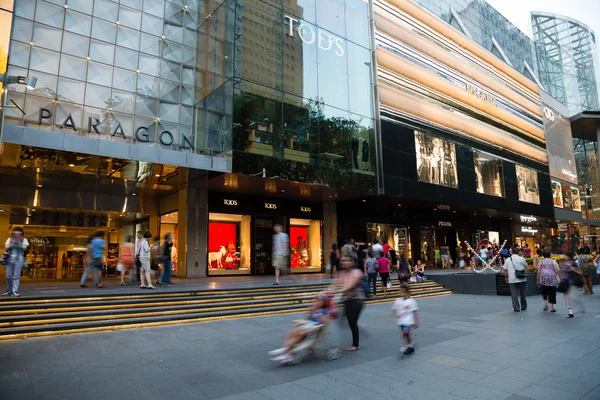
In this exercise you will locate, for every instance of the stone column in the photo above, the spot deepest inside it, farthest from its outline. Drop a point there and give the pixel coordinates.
(329, 229)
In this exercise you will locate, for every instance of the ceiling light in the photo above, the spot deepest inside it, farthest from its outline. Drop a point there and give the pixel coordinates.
(135, 194)
(364, 201)
(157, 175)
(71, 165)
(39, 186)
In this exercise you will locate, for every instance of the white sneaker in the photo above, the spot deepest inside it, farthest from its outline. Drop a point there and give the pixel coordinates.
(277, 352)
(286, 357)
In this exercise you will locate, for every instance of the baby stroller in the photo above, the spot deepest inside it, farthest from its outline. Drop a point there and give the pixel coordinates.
(315, 340)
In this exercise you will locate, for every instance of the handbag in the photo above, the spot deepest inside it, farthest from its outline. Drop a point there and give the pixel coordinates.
(575, 279)
(119, 267)
(563, 286)
(519, 273)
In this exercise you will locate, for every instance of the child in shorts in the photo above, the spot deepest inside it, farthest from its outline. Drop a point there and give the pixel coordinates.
(405, 310)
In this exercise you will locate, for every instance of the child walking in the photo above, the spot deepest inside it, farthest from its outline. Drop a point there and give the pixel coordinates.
(405, 311)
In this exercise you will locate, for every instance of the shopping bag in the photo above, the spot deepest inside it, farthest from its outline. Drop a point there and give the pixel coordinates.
(389, 284)
(119, 267)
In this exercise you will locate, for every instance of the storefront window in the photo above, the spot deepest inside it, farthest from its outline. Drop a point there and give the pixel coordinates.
(396, 236)
(488, 174)
(169, 224)
(528, 185)
(228, 244)
(436, 160)
(557, 196)
(305, 245)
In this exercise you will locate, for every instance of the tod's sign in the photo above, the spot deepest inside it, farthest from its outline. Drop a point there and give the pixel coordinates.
(310, 34)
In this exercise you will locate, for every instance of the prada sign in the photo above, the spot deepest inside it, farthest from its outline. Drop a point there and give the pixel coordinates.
(482, 95)
(165, 137)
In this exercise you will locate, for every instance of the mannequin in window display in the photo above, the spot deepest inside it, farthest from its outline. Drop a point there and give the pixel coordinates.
(479, 179)
(365, 155)
(355, 143)
(425, 172)
(449, 176)
(425, 251)
(300, 253)
(435, 165)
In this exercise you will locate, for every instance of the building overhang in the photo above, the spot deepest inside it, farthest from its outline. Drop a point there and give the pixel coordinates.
(585, 125)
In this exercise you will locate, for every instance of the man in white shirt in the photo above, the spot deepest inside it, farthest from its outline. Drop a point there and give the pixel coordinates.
(513, 264)
(281, 251)
(377, 249)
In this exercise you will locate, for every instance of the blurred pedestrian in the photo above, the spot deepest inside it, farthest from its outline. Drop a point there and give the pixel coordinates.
(371, 269)
(349, 283)
(384, 272)
(145, 278)
(95, 260)
(127, 258)
(584, 264)
(515, 276)
(155, 259)
(281, 248)
(166, 259)
(14, 257)
(405, 311)
(377, 249)
(547, 279)
(334, 259)
(571, 281)
(134, 275)
(404, 270)
(386, 249)
(597, 265)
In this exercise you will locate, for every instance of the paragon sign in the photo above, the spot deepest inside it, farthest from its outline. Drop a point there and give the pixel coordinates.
(310, 34)
(141, 134)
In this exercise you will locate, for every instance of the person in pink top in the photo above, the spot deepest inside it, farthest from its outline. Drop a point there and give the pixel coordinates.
(386, 248)
(384, 272)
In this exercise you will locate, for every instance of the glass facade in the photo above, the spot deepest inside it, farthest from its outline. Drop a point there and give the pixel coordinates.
(6, 7)
(300, 80)
(586, 157)
(117, 71)
(488, 174)
(568, 61)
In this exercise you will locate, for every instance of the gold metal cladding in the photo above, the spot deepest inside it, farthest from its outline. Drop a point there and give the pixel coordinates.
(454, 62)
(396, 64)
(445, 30)
(181, 322)
(412, 105)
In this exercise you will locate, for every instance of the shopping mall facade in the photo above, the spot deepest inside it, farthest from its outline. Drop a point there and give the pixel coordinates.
(216, 120)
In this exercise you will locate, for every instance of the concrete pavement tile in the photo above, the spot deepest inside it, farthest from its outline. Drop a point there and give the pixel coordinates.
(522, 351)
(594, 393)
(465, 353)
(480, 366)
(14, 394)
(570, 333)
(568, 385)
(503, 384)
(352, 392)
(316, 383)
(245, 396)
(585, 366)
(580, 375)
(431, 368)
(539, 392)
(202, 377)
(518, 397)
(448, 360)
(458, 344)
(287, 391)
(499, 359)
(543, 367)
(559, 352)
(463, 375)
(474, 391)
(591, 358)
(54, 374)
(440, 384)
(350, 375)
(521, 374)
(417, 392)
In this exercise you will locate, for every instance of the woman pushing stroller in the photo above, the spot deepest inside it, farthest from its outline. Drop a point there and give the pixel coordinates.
(319, 314)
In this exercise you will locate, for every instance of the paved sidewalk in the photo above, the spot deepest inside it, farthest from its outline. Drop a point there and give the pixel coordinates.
(468, 347)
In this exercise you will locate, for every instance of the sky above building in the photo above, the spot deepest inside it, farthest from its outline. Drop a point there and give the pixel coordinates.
(519, 11)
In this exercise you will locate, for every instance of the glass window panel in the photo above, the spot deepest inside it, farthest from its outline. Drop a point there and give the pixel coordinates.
(300, 60)
(357, 21)
(359, 76)
(130, 18)
(44, 60)
(48, 14)
(168, 112)
(149, 65)
(155, 7)
(22, 30)
(70, 90)
(527, 182)
(187, 95)
(125, 122)
(173, 14)
(45, 86)
(150, 44)
(301, 126)
(123, 102)
(99, 74)
(170, 70)
(102, 52)
(47, 37)
(124, 79)
(330, 16)
(333, 75)
(106, 10)
(152, 25)
(135, 4)
(97, 96)
(84, 6)
(75, 44)
(24, 9)
(148, 85)
(436, 160)
(362, 143)
(187, 76)
(78, 23)
(186, 115)
(146, 107)
(103, 30)
(19, 54)
(73, 67)
(174, 33)
(169, 91)
(189, 56)
(303, 9)
(488, 174)
(333, 135)
(172, 51)
(126, 58)
(128, 38)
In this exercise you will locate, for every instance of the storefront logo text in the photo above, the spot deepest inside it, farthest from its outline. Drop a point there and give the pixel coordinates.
(307, 34)
(445, 223)
(165, 138)
(548, 113)
(443, 207)
(482, 95)
(228, 202)
(270, 206)
(528, 229)
(305, 209)
(39, 240)
(528, 219)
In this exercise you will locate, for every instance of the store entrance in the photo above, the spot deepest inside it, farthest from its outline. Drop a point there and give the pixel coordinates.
(263, 243)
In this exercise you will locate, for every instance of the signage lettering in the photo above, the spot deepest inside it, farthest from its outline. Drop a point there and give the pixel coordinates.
(569, 173)
(548, 113)
(39, 240)
(528, 229)
(482, 95)
(308, 35)
(528, 219)
(305, 209)
(165, 138)
(445, 223)
(443, 207)
(271, 206)
(228, 202)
